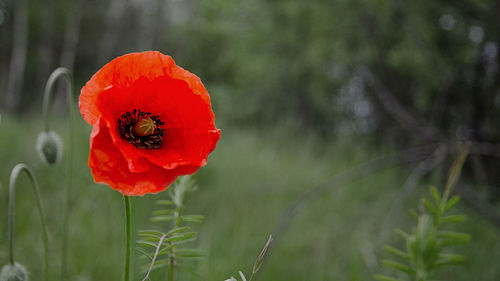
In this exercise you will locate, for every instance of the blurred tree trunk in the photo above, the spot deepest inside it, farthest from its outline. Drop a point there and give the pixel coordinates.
(72, 35)
(18, 58)
(151, 22)
(162, 22)
(46, 43)
(114, 16)
(68, 54)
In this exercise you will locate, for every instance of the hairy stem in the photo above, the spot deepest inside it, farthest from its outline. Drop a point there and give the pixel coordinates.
(48, 98)
(12, 196)
(128, 230)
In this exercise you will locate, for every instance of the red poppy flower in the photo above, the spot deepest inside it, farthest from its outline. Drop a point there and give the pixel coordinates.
(152, 122)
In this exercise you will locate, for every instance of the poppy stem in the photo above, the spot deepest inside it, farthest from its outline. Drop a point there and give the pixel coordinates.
(48, 98)
(12, 198)
(128, 230)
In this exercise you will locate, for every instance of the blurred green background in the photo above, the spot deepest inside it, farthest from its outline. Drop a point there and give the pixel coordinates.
(303, 91)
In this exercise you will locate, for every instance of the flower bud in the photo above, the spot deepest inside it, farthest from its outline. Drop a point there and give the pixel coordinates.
(15, 272)
(49, 147)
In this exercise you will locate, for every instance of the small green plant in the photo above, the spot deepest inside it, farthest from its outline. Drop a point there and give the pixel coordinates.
(258, 262)
(428, 246)
(164, 248)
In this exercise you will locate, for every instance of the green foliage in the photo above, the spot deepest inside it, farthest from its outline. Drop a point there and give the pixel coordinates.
(164, 249)
(239, 199)
(428, 245)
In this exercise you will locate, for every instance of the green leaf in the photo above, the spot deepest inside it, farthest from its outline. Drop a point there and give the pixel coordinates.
(163, 212)
(161, 263)
(398, 266)
(148, 243)
(402, 233)
(452, 202)
(396, 252)
(430, 207)
(385, 278)
(150, 233)
(414, 214)
(181, 237)
(165, 249)
(435, 195)
(453, 219)
(161, 218)
(150, 239)
(146, 254)
(177, 230)
(453, 238)
(164, 202)
(192, 218)
(449, 259)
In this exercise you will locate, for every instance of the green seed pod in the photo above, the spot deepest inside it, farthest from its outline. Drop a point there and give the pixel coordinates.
(15, 272)
(49, 147)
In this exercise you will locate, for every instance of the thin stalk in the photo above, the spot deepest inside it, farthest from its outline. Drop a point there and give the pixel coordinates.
(48, 98)
(128, 230)
(455, 174)
(12, 196)
(153, 260)
(171, 269)
(177, 223)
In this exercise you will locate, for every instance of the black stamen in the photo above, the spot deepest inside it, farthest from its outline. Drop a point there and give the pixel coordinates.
(126, 125)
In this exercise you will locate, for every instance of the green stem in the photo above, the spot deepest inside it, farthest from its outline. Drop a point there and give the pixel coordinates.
(128, 230)
(12, 196)
(171, 269)
(177, 223)
(48, 98)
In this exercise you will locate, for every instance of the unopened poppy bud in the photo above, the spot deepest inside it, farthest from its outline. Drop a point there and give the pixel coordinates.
(49, 147)
(15, 272)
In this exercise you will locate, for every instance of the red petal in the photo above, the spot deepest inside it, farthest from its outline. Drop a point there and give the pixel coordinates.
(123, 71)
(190, 133)
(108, 166)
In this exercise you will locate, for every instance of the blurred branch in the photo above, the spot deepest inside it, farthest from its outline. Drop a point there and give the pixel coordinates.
(18, 58)
(422, 169)
(393, 107)
(469, 196)
(485, 148)
(479, 172)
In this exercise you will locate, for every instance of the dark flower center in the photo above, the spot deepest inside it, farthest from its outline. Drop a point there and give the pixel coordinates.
(141, 129)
